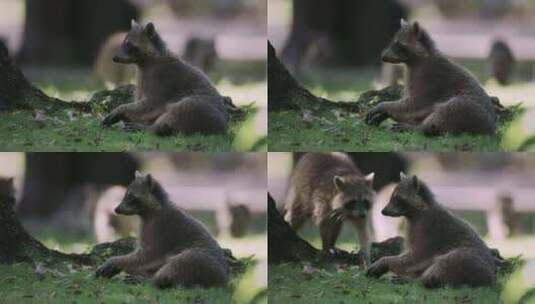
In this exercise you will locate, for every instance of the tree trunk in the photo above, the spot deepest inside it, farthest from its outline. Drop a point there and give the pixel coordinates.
(16, 92)
(67, 32)
(284, 245)
(285, 93)
(49, 177)
(16, 245)
(358, 30)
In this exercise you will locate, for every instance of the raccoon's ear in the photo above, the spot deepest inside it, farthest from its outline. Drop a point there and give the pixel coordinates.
(402, 176)
(138, 174)
(150, 30)
(403, 23)
(369, 178)
(339, 182)
(149, 181)
(416, 29)
(134, 24)
(415, 183)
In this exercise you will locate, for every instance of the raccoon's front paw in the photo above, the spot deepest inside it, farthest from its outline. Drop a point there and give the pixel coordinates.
(377, 269)
(401, 127)
(376, 116)
(107, 270)
(162, 281)
(110, 119)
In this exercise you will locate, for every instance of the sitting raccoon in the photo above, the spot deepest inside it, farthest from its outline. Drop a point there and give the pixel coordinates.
(171, 96)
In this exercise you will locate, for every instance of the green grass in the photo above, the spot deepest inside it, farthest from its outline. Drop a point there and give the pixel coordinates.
(288, 284)
(20, 284)
(22, 133)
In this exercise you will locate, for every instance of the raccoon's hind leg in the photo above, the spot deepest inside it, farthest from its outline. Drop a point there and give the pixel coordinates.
(459, 267)
(192, 267)
(194, 114)
(459, 115)
(133, 112)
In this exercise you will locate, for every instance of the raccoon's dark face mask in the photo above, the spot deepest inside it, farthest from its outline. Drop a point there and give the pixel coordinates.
(128, 53)
(130, 205)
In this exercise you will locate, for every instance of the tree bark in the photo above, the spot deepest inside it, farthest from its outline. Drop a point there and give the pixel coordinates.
(284, 245)
(66, 32)
(358, 30)
(285, 93)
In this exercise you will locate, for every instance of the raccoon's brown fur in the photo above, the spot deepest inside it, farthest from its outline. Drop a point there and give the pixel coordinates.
(174, 248)
(443, 97)
(172, 96)
(501, 62)
(201, 53)
(329, 189)
(107, 70)
(443, 250)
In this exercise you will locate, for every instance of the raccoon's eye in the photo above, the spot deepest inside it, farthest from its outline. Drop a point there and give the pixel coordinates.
(134, 201)
(366, 203)
(129, 45)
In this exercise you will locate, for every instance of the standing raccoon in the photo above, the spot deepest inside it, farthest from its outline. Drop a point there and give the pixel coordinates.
(174, 248)
(501, 62)
(172, 96)
(443, 97)
(443, 250)
(329, 188)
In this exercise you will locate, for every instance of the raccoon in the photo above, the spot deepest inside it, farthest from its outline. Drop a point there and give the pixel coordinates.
(443, 250)
(172, 96)
(111, 72)
(174, 248)
(442, 96)
(329, 189)
(201, 53)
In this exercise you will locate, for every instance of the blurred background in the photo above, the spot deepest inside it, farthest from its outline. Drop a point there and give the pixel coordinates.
(494, 192)
(66, 200)
(334, 47)
(66, 46)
